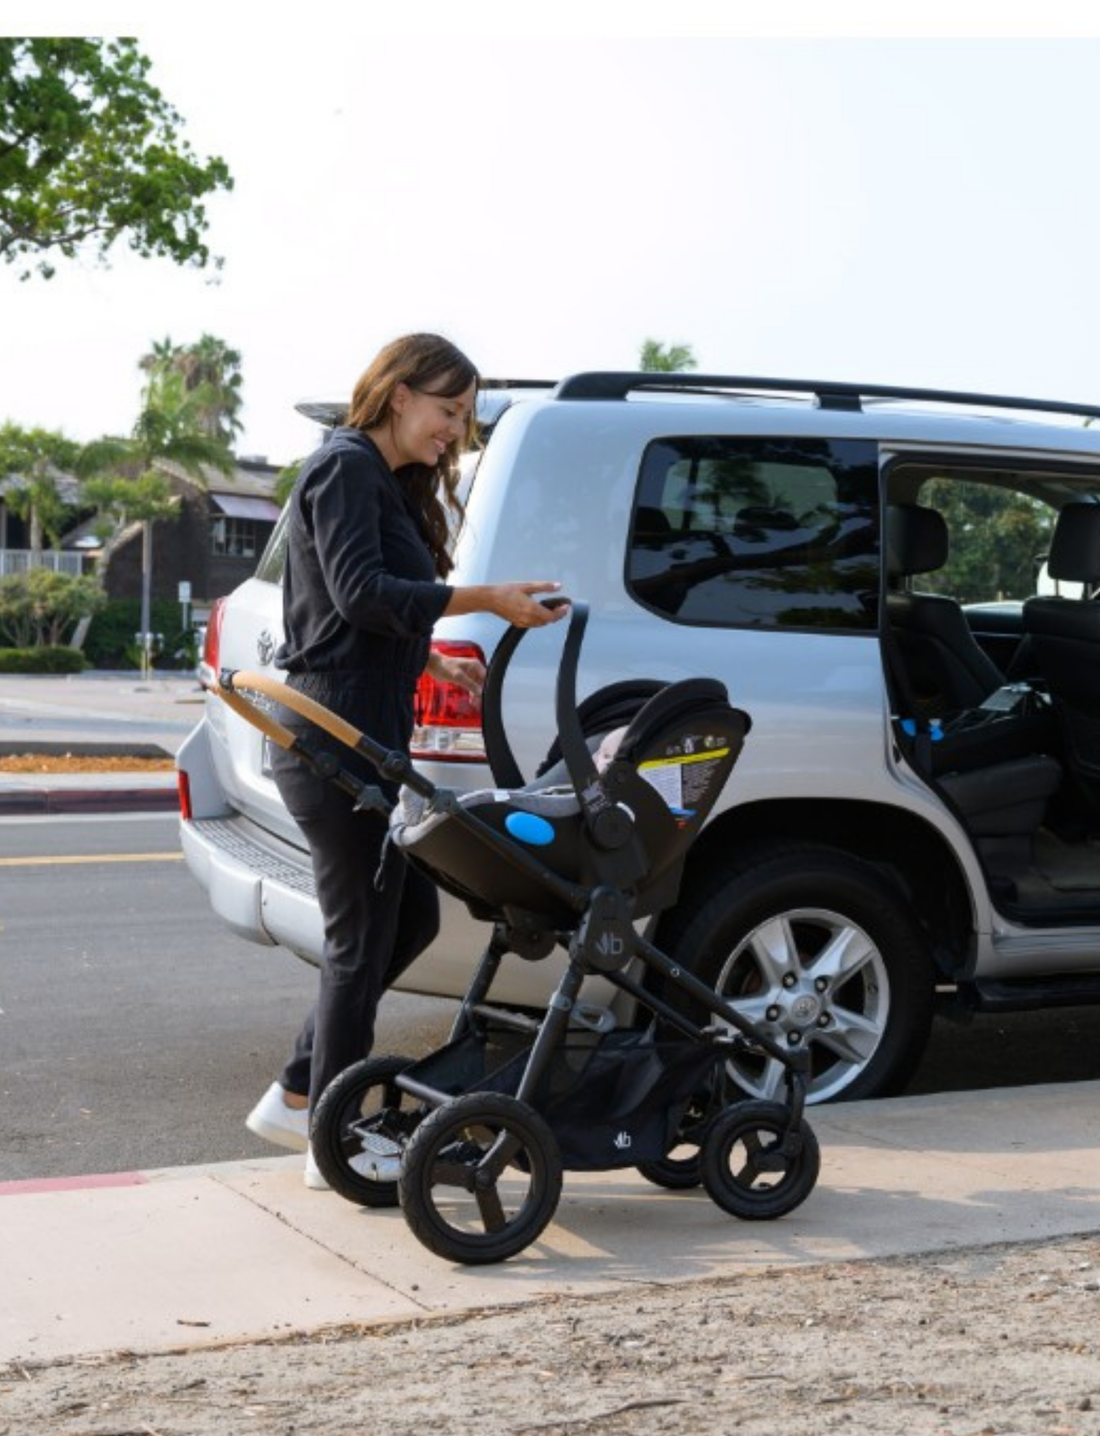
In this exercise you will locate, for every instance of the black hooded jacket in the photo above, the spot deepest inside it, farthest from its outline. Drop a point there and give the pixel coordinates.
(360, 595)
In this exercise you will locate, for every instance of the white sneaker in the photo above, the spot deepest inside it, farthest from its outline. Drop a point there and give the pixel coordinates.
(273, 1120)
(379, 1161)
(313, 1178)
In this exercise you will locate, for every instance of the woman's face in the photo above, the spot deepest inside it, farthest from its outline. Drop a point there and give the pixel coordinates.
(424, 424)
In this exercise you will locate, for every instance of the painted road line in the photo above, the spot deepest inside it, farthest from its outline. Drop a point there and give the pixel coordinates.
(91, 858)
(32, 1186)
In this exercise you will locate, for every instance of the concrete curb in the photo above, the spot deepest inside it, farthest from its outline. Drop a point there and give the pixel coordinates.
(54, 801)
(53, 748)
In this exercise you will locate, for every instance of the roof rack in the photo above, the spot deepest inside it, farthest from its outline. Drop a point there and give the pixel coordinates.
(329, 412)
(617, 384)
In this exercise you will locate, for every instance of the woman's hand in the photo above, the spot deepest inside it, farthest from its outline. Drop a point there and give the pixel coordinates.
(514, 602)
(465, 673)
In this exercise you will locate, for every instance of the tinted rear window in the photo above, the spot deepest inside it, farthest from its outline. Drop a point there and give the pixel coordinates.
(762, 533)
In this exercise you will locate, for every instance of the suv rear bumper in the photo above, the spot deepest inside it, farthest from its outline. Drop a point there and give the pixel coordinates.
(261, 896)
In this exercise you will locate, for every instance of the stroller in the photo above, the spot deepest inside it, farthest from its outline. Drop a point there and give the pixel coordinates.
(485, 1126)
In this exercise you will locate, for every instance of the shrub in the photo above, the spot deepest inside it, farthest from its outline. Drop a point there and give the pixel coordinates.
(40, 606)
(49, 658)
(110, 642)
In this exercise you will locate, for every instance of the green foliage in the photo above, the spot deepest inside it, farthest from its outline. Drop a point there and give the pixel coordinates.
(39, 606)
(657, 358)
(207, 369)
(120, 501)
(998, 540)
(90, 152)
(37, 457)
(285, 480)
(120, 480)
(42, 660)
(110, 639)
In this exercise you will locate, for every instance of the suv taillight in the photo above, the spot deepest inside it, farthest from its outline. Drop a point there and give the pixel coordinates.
(211, 645)
(448, 720)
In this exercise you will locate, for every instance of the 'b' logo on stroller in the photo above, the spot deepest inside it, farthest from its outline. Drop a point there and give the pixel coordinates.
(622, 1141)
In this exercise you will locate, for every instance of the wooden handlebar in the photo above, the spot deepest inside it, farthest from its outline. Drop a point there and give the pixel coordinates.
(289, 698)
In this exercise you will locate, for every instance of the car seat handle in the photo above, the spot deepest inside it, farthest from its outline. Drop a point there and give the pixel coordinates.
(579, 762)
(603, 817)
(498, 750)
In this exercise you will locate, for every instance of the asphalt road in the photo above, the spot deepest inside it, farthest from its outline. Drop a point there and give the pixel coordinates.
(136, 1032)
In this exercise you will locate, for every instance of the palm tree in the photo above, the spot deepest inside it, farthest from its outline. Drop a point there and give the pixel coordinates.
(209, 368)
(657, 358)
(34, 460)
(124, 478)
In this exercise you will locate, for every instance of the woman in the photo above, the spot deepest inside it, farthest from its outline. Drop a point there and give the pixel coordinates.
(367, 550)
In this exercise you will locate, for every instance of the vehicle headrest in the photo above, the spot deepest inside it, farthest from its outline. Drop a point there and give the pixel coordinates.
(916, 540)
(1075, 547)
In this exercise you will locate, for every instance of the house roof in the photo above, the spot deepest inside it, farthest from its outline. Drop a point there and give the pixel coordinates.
(249, 478)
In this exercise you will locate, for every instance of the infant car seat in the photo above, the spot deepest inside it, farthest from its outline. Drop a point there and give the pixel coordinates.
(540, 849)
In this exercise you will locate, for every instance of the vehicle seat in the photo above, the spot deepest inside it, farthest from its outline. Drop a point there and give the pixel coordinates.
(1065, 641)
(947, 670)
(1002, 807)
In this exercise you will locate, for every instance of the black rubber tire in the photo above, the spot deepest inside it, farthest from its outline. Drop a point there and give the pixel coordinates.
(744, 1169)
(359, 1093)
(682, 1173)
(817, 891)
(675, 1174)
(498, 1225)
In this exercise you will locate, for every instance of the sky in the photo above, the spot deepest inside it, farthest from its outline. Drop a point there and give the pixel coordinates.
(911, 201)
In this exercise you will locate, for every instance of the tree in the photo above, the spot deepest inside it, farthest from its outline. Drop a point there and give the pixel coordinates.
(998, 539)
(91, 152)
(122, 479)
(38, 606)
(211, 371)
(657, 358)
(33, 460)
(285, 480)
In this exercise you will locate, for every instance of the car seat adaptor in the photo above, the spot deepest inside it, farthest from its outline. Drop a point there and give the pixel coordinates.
(604, 939)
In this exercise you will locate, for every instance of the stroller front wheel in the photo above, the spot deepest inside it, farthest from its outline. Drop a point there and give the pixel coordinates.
(360, 1129)
(481, 1178)
(755, 1165)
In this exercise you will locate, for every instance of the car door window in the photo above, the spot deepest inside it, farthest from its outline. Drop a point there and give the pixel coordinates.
(763, 533)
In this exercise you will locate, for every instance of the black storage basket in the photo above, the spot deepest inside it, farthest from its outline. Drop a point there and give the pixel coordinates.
(612, 1100)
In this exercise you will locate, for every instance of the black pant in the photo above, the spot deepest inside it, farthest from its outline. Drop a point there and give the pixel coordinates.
(372, 932)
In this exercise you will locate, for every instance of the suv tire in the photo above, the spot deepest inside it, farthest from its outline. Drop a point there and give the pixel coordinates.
(814, 945)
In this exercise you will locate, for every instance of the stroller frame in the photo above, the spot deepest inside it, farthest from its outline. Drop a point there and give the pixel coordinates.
(756, 1159)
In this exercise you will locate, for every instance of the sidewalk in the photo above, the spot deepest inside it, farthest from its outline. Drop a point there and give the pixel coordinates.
(102, 713)
(159, 1261)
(186, 1258)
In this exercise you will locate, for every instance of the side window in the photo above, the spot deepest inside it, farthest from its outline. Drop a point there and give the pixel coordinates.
(762, 533)
(271, 563)
(997, 539)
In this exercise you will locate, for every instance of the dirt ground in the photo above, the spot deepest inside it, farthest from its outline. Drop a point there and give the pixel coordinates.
(970, 1343)
(80, 763)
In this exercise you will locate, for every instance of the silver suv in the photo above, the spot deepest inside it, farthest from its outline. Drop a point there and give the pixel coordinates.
(895, 584)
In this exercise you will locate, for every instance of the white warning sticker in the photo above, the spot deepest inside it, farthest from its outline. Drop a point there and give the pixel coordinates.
(683, 779)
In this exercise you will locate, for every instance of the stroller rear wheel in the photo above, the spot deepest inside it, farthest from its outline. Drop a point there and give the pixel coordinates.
(360, 1129)
(481, 1178)
(681, 1168)
(755, 1165)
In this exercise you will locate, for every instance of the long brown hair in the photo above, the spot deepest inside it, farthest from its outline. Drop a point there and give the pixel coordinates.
(434, 366)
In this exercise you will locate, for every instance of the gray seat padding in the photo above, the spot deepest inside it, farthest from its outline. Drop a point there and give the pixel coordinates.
(946, 669)
(1065, 639)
